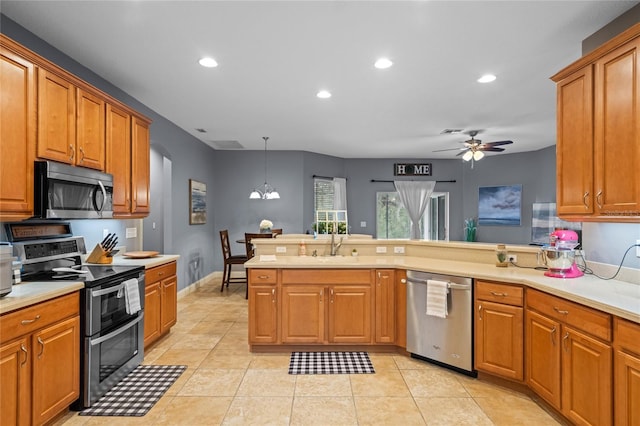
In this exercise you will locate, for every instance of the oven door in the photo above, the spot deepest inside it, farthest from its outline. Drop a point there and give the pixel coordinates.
(110, 357)
(106, 306)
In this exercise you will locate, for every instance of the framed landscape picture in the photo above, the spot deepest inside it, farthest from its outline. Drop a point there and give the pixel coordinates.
(499, 205)
(197, 202)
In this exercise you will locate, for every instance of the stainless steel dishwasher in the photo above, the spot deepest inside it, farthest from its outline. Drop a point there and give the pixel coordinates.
(444, 341)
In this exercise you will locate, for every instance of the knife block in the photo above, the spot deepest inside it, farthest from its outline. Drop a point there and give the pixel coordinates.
(98, 255)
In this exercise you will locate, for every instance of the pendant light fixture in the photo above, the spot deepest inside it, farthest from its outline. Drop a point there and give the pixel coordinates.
(268, 192)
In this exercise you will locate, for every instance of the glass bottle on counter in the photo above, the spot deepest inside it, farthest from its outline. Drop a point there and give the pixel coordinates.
(501, 256)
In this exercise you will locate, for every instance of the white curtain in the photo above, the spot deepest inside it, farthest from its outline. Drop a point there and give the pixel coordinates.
(415, 198)
(339, 193)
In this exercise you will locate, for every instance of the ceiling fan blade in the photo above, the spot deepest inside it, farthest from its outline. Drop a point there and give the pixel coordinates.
(461, 153)
(491, 149)
(498, 143)
(452, 149)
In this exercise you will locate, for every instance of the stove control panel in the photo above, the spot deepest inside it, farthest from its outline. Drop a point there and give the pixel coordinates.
(44, 250)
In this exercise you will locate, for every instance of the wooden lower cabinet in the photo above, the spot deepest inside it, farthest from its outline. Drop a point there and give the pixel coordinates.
(40, 369)
(160, 302)
(349, 318)
(401, 308)
(385, 307)
(303, 313)
(626, 380)
(263, 314)
(566, 365)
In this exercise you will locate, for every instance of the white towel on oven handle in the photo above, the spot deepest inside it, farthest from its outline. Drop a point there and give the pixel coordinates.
(437, 298)
(132, 296)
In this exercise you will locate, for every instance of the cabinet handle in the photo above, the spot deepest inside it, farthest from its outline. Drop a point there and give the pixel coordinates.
(81, 155)
(263, 277)
(553, 338)
(331, 294)
(41, 347)
(564, 341)
(321, 293)
(403, 281)
(584, 200)
(26, 355)
(160, 274)
(480, 312)
(560, 311)
(273, 295)
(27, 322)
(599, 199)
(495, 293)
(73, 152)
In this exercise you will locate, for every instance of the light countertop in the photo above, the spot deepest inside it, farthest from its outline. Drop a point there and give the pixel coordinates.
(615, 297)
(30, 293)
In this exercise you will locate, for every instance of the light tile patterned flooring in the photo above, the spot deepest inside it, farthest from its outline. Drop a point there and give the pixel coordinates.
(226, 384)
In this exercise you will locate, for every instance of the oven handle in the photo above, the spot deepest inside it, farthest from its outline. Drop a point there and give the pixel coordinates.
(97, 293)
(114, 333)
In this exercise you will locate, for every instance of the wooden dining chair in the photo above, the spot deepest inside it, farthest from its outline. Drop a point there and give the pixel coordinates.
(229, 261)
(247, 241)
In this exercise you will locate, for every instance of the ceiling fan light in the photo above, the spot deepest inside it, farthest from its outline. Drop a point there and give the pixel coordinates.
(467, 156)
(478, 155)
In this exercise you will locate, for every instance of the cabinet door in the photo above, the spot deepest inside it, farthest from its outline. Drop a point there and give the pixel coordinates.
(56, 118)
(385, 311)
(15, 386)
(586, 379)
(303, 313)
(118, 157)
(543, 357)
(56, 369)
(499, 339)
(627, 389)
(17, 136)
(574, 148)
(169, 309)
(350, 314)
(90, 132)
(152, 309)
(401, 308)
(263, 320)
(139, 166)
(617, 131)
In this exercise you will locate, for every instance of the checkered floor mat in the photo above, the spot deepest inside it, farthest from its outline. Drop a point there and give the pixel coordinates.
(134, 395)
(330, 363)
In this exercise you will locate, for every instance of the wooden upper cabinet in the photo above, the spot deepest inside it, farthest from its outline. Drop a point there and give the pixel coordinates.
(598, 131)
(574, 149)
(56, 118)
(90, 135)
(140, 155)
(617, 131)
(17, 135)
(118, 157)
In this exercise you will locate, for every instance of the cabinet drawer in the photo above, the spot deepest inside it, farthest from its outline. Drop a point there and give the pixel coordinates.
(581, 317)
(159, 273)
(626, 335)
(263, 276)
(326, 276)
(499, 293)
(27, 320)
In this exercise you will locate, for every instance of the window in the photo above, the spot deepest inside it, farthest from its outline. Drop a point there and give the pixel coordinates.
(392, 220)
(323, 194)
(327, 212)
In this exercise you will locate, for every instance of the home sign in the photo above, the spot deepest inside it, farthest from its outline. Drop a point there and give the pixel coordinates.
(412, 169)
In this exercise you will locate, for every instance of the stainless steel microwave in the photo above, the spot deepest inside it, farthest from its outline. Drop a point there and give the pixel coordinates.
(67, 192)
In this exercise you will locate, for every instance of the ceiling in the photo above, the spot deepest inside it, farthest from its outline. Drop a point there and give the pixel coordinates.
(275, 56)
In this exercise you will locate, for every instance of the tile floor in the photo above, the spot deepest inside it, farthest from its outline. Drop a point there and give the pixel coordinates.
(226, 384)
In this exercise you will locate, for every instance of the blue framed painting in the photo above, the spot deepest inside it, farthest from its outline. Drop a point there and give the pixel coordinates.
(500, 205)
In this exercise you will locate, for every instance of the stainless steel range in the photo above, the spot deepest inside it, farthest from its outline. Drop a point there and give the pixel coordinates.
(111, 322)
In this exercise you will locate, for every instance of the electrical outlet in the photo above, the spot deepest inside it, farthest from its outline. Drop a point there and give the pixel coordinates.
(381, 249)
(398, 250)
(363, 224)
(131, 232)
(513, 258)
(105, 232)
(281, 249)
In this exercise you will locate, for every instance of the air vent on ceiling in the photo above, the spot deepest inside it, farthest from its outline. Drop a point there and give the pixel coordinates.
(451, 131)
(201, 130)
(226, 144)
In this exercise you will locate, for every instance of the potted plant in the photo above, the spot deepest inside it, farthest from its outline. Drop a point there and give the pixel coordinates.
(354, 252)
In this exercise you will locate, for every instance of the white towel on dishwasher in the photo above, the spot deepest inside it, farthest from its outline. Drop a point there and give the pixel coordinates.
(437, 298)
(132, 296)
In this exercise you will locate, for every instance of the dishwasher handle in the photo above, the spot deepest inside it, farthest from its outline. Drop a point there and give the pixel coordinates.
(452, 286)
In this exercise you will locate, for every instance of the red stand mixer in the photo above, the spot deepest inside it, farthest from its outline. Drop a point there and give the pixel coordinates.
(559, 255)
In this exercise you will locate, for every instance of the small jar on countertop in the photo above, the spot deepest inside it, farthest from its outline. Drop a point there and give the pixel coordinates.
(502, 256)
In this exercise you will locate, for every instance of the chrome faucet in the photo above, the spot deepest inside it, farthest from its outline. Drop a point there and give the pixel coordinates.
(335, 247)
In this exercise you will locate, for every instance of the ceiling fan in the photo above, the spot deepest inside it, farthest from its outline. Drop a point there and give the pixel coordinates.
(474, 148)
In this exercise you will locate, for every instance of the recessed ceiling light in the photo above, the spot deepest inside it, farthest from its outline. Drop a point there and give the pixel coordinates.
(208, 62)
(324, 94)
(487, 78)
(383, 63)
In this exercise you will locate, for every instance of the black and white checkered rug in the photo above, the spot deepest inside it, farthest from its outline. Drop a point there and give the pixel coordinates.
(330, 363)
(135, 394)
